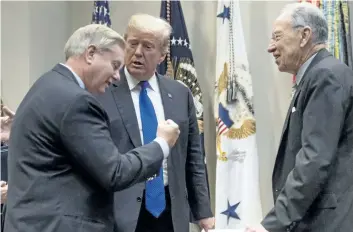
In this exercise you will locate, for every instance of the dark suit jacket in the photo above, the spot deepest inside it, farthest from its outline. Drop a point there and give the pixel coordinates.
(313, 174)
(186, 168)
(63, 165)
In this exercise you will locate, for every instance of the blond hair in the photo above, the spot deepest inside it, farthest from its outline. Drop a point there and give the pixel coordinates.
(145, 23)
(99, 35)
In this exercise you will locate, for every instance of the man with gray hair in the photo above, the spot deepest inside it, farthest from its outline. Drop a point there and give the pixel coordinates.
(313, 176)
(63, 165)
(135, 104)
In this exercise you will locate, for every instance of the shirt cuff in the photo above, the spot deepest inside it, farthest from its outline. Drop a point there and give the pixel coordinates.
(164, 145)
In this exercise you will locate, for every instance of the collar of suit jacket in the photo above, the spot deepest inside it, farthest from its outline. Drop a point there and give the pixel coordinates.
(311, 62)
(303, 68)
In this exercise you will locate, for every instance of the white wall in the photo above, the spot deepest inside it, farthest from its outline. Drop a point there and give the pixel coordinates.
(33, 35)
(33, 42)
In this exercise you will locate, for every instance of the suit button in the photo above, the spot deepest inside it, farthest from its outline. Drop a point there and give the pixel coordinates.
(277, 190)
(139, 199)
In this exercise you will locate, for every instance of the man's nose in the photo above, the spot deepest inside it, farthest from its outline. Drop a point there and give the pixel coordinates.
(138, 50)
(116, 75)
(271, 47)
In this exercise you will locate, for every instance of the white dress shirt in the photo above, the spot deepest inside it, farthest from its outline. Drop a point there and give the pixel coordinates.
(155, 96)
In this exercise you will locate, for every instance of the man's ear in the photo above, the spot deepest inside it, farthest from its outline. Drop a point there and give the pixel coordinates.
(89, 54)
(162, 58)
(306, 36)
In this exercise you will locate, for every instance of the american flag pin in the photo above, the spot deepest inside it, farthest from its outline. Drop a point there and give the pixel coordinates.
(169, 95)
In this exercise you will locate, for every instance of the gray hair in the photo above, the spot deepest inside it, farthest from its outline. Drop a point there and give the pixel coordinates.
(306, 14)
(159, 27)
(101, 36)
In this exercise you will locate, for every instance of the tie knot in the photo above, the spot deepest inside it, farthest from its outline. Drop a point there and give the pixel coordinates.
(144, 84)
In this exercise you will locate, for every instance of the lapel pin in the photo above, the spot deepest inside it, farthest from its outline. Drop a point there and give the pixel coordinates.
(169, 95)
(293, 109)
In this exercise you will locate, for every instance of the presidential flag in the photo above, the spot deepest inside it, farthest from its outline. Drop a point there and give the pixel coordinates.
(101, 13)
(237, 176)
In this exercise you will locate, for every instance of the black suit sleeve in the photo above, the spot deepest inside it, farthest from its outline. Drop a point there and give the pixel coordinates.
(86, 136)
(323, 118)
(196, 182)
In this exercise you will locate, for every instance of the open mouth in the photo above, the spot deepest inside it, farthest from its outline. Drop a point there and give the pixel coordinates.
(137, 64)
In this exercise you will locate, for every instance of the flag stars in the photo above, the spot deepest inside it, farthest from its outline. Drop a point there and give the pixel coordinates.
(230, 211)
(225, 14)
(173, 41)
(180, 41)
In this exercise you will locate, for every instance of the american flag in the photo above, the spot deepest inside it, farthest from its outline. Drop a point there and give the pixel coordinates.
(224, 122)
(101, 13)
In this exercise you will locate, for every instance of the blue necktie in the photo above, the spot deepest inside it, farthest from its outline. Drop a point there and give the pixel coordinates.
(155, 195)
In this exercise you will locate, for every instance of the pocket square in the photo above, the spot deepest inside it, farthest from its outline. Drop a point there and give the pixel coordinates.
(293, 109)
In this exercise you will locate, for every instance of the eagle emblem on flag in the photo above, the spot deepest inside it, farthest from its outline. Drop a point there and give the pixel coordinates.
(235, 118)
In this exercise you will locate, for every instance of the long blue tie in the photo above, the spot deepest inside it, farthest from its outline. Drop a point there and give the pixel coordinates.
(155, 195)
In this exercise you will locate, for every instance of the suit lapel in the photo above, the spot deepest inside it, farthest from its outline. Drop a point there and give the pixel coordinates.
(286, 121)
(123, 101)
(323, 53)
(168, 106)
(167, 97)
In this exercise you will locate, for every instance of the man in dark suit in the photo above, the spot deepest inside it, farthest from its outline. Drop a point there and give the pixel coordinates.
(63, 165)
(313, 175)
(182, 181)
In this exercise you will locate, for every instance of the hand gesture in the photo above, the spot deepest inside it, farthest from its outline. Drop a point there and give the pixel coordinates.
(6, 123)
(207, 223)
(169, 131)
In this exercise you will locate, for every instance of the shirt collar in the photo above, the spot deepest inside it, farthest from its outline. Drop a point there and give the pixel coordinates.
(78, 79)
(303, 68)
(133, 82)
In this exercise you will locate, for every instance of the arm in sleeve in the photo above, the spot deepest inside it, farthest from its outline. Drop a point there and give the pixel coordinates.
(85, 135)
(323, 119)
(195, 169)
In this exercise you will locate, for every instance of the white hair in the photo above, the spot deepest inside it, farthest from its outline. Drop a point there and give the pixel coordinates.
(98, 35)
(150, 24)
(306, 14)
